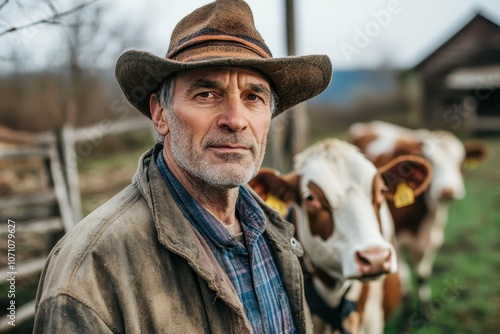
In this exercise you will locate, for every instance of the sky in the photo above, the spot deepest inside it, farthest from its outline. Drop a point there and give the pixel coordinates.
(354, 33)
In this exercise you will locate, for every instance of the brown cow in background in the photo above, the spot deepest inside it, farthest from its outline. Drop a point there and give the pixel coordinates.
(420, 226)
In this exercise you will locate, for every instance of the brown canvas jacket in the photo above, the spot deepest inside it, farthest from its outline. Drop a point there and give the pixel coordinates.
(135, 265)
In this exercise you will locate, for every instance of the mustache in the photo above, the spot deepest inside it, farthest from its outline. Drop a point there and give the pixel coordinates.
(233, 139)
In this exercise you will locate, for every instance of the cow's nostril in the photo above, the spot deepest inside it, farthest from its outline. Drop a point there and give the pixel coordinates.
(374, 261)
(362, 259)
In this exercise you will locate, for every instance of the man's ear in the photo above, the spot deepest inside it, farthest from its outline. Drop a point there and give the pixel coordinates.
(158, 115)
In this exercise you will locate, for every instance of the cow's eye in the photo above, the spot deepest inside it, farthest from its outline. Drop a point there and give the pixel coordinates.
(308, 197)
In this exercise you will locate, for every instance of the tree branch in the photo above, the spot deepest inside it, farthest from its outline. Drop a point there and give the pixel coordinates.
(52, 20)
(4, 3)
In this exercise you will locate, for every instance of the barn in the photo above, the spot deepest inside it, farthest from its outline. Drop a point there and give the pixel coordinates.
(460, 80)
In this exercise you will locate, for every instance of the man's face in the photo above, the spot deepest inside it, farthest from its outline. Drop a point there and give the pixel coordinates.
(219, 124)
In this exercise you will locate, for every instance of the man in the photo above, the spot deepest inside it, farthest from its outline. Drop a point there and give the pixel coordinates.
(187, 248)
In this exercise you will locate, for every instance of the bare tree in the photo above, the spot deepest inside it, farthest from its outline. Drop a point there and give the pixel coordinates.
(90, 39)
(94, 35)
(47, 12)
(74, 85)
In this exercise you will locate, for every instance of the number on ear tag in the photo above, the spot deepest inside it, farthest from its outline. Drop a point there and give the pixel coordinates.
(277, 204)
(403, 196)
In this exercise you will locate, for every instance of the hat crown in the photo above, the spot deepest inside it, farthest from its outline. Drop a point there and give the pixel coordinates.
(222, 21)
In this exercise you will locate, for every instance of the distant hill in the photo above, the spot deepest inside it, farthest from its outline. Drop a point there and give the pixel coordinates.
(349, 85)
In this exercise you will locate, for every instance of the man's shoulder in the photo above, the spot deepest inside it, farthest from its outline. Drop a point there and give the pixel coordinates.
(99, 246)
(125, 211)
(103, 233)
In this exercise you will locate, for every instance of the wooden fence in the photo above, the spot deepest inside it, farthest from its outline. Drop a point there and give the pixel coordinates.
(56, 208)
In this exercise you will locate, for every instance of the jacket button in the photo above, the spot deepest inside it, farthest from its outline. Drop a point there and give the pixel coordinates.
(293, 242)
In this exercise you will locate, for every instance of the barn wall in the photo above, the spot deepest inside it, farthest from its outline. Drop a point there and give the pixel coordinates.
(475, 45)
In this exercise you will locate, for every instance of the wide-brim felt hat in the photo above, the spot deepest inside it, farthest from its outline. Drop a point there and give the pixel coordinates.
(221, 34)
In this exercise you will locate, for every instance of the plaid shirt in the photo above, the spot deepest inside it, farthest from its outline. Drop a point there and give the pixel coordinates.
(252, 270)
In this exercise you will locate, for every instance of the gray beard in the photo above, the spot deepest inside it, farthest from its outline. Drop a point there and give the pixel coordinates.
(202, 169)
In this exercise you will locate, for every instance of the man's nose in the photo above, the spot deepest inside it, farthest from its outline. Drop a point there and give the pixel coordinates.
(232, 117)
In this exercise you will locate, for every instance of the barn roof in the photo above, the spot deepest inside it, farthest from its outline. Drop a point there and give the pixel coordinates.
(476, 43)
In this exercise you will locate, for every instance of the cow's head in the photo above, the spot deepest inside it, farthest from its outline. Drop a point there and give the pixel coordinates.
(449, 156)
(341, 215)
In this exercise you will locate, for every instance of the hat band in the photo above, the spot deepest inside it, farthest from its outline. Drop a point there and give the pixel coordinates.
(218, 38)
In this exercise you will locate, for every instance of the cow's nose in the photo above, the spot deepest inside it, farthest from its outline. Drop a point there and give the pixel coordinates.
(447, 193)
(374, 261)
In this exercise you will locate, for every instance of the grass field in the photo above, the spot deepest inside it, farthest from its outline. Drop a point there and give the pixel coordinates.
(466, 289)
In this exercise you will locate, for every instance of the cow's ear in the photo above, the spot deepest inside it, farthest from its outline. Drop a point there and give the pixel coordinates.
(276, 190)
(408, 172)
(475, 153)
(269, 182)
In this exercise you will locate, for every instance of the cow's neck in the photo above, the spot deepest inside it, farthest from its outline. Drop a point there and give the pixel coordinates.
(410, 218)
(329, 288)
(441, 213)
(331, 295)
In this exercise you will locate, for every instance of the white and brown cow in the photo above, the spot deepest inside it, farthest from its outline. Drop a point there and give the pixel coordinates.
(337, 203)
(420, 226)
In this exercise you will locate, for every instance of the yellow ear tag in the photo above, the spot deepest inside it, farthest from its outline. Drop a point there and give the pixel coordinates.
(471, 163)
(277, 204)
(403, 196)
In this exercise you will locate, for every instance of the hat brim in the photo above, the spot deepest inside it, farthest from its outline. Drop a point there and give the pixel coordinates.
(295, 79)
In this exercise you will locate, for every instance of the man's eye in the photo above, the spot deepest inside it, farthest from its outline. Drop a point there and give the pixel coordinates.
(205, 94)
(253, 97)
